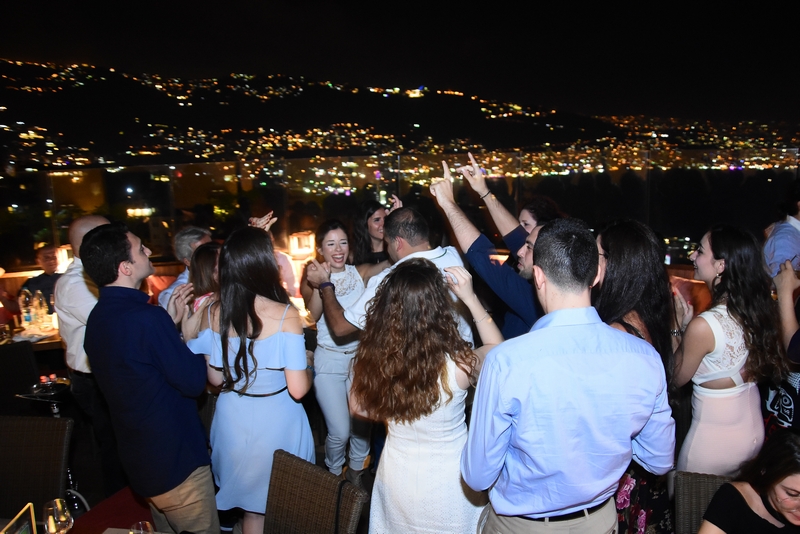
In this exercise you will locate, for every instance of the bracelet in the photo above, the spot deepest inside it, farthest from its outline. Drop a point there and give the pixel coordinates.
(323, 285)
(311, 368)
(486, 194)
(676, 333)
(482, 318)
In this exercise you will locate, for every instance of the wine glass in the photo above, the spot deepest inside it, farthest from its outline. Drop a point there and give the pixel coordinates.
(142, 527)
(57, 519)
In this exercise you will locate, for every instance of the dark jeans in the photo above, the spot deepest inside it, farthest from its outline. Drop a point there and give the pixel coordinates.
(90, 399)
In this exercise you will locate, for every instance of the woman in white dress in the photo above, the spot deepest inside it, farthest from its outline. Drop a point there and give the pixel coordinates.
(725, 351)
(333, 356)
(412, 369)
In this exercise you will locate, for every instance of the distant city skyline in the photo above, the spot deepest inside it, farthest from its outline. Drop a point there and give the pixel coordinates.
(606, 59)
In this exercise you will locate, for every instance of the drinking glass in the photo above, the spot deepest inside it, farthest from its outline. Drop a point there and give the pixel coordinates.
(57, 519)
(142, 527)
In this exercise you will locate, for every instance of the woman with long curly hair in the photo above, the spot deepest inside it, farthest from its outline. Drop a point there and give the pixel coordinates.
(412, 369)
(633, 295)
(256, 352)
(726, 351)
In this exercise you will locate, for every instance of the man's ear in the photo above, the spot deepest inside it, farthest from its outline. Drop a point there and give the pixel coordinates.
(539, 278)
(124, 269)
(400, 243)
(596, 277)
(187, 262)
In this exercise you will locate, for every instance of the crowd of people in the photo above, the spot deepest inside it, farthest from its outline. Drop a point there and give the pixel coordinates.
(576, 367)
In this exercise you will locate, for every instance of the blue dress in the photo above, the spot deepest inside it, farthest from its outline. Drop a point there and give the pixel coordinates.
(247, 430)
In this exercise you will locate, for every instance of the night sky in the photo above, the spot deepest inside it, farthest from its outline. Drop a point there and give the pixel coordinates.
(660, 60)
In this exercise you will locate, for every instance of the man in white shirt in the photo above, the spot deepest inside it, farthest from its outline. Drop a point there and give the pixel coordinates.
(75, 297)
(184, 243)
(406, 234)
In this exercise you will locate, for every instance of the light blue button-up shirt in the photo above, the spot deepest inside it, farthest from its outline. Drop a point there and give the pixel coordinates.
(558, 413)
(783, 244)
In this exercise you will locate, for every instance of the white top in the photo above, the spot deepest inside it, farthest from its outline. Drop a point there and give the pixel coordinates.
(441, 257)
(75, 295)
(730, 352)
(349, 286)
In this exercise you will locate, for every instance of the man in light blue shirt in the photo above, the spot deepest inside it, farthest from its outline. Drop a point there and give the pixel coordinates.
(559, 411)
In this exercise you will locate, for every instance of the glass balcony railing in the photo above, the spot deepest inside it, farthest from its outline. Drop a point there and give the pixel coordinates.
(679, 193)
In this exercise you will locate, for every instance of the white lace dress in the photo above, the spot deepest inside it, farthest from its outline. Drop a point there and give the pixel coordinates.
(418, 487)
(727, 425)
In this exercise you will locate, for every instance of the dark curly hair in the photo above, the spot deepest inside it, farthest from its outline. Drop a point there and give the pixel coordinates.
(636, 281)
(746, 285)
(247, 268)
(409, 332)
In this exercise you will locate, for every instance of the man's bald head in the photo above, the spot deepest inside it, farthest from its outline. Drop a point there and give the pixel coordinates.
(80, 227)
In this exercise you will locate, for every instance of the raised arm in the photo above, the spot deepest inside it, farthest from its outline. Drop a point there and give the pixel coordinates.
(460, 282)
(786, 283)
(310, 296)
(265, 222)
(505, 221)
(442, 191)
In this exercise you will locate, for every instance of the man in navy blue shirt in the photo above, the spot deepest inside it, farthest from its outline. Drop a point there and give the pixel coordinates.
(513, 288)
(150, 381)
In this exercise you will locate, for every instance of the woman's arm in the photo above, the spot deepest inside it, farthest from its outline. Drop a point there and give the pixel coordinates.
(298, 382)
(786, 283)
(698, 340)
(368, 270)
(709, 528)
(460, 282)
(504, 220)
(311, 297)
(215, 376)
(192, 326)
(356, 408)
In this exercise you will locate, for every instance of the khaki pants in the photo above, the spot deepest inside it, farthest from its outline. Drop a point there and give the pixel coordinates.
(189, 507)
(603, 521)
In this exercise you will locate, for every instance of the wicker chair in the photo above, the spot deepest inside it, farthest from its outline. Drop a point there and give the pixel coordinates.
(306, 498)
(33, 464)
(693, 492)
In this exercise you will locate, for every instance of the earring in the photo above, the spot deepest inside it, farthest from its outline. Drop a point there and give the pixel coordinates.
(719, 275)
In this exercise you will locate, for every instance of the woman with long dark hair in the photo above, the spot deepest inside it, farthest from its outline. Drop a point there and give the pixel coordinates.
(764, 497)
(726, 351)
(633, 295)
(412, 369)
(204, 274)
(368, 245)
(256, 352)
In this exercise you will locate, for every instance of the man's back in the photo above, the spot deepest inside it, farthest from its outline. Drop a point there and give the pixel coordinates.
(150, 380)
(556, 411)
